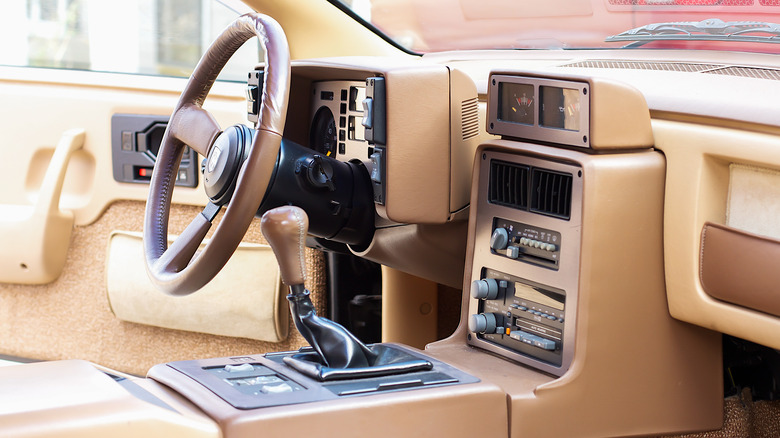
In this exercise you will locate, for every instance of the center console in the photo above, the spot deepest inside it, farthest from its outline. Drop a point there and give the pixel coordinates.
(263, 381)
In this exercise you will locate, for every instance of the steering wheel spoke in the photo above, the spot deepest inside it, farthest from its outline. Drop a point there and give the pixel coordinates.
(195, 127)
(182, 250)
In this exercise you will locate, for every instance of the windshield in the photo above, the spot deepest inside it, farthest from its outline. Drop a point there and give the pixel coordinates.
(439, 25)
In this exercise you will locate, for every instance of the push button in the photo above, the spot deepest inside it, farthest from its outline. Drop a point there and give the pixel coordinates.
(244, 367)
(276, 389)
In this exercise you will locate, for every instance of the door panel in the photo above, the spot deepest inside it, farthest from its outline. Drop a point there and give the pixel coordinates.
(71, 317)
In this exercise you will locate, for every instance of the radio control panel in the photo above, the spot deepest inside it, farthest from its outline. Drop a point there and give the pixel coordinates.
(520, 314)
(526, 243)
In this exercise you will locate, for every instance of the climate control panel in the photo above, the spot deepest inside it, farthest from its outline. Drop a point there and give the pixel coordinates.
(519, 314)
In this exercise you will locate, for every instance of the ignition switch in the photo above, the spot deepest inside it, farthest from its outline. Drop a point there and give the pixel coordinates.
(318, 173)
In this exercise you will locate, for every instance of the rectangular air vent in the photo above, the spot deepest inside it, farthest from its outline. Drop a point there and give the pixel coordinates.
(551, 193)
(508, 184)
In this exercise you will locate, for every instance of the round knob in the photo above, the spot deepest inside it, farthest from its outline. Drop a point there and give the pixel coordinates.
(499, 239)
(483, 323)
(486, 289)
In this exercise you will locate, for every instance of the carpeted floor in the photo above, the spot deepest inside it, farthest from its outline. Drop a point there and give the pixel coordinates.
(745, 418)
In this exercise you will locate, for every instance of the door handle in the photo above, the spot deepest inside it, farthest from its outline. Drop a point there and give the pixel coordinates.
(34, 239)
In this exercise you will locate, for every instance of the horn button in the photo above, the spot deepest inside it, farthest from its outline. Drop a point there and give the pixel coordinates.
(227, 154)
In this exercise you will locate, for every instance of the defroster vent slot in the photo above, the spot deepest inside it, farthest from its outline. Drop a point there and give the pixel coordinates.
(551, 193)
(508, 184)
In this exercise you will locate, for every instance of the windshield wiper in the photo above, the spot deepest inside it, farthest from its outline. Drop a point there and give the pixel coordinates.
(712, 29)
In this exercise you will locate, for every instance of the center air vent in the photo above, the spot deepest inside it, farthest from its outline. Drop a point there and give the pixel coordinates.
(514, 185)
(551, 193)
(508, 184)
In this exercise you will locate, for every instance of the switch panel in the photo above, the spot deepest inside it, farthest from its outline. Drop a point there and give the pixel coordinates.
(135, 142)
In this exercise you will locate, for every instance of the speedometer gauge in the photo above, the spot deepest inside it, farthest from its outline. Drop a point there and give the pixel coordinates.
(324, 135)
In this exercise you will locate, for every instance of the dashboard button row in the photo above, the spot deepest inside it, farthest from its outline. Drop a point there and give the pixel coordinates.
(532, 243)
(535, 312)
(534, 340)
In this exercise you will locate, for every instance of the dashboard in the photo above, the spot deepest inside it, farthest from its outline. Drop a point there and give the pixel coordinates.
(574, 261)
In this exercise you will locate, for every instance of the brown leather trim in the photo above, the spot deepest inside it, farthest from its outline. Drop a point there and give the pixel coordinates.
(285, 230)
(740, 268)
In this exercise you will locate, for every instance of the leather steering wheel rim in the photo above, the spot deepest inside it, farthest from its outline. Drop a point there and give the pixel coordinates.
(180, 269)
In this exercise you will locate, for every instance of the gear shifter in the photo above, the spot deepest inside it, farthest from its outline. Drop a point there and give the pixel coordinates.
(339, 354)
(285, 229)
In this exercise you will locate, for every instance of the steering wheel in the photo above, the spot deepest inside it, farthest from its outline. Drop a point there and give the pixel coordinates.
(180, 269)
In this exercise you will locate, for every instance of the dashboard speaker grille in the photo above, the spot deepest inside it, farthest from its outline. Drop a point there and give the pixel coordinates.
(551, 193)
(713, 69)
(508, 184)
(748, 72)
(469, 110)
(643, 65)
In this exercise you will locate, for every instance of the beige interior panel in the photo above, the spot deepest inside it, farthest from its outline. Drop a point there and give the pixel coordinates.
(36, 237)
(71, 317)
(467, 119)
(74, 399)
(697, 191)
(246, 299)
(73, 99)
(409, 308)
(754, 200)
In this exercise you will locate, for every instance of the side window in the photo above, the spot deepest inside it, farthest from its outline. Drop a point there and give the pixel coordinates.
(150, 37)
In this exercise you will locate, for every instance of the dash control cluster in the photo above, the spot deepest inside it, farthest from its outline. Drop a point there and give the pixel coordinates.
(520, 315)
(527, 243)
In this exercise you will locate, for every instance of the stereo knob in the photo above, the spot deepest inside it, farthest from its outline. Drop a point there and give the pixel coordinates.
(499, 239)
(485, 289)
(482, 323)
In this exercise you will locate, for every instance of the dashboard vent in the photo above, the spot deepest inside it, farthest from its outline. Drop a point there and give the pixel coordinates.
(643, 65)
(469, 112)
(508, 184)
(713, 69)
(747, 72)
(551, 193)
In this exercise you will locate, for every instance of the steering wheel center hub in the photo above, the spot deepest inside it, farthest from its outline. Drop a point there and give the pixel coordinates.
(223, 164)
